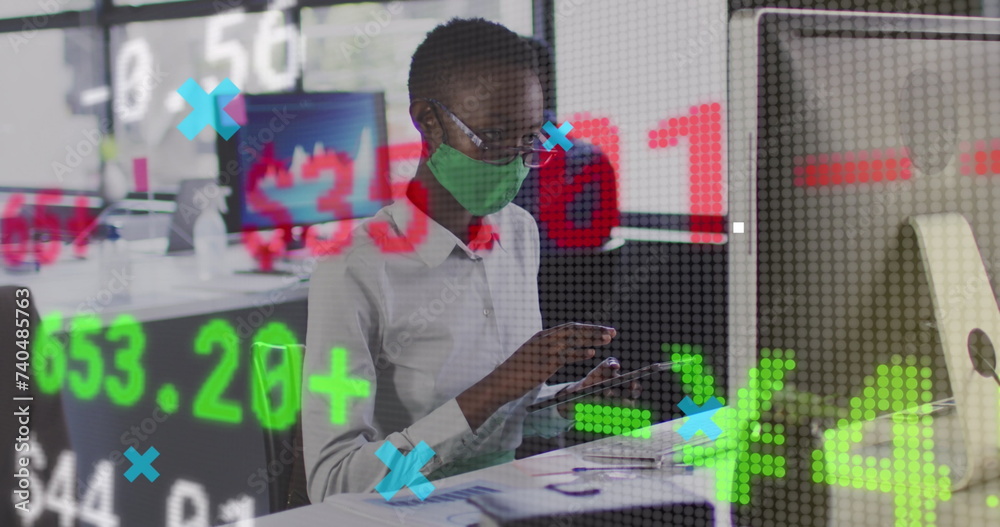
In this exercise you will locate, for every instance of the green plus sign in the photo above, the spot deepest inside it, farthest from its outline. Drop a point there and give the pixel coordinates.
(338, 386)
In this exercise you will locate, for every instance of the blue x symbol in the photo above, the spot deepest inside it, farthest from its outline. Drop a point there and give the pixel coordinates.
(142, 464)
(404, 470)
(206, 112)
(557, 136)
(700, 418)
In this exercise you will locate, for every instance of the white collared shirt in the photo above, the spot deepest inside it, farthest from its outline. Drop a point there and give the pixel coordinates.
(420, 326)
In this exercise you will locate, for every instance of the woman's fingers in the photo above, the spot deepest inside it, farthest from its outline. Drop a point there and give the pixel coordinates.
(577, 354)
(576, 335)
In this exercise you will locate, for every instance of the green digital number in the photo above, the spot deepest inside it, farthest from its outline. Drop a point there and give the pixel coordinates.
(696, 376)
(917, 482)
(49, 353)
(288, 376)
(731, 455)
(127, 390)
(82, 349)
(613, 420)
(208, 403)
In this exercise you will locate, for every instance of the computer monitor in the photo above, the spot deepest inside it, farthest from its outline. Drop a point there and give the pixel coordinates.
(843, 128)
(310, 158)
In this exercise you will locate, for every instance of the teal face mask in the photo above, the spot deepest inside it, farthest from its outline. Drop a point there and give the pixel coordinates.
(480, 187)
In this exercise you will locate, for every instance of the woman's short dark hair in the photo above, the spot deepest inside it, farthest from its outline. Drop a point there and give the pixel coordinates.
(461, 50)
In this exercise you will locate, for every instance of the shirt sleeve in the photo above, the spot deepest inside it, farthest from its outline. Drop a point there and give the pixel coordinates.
(544, 423)
(548, 422)
(340, 436)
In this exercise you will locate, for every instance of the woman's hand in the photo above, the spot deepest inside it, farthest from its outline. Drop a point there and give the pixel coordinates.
(548, 350)
(624, 395)
(532, 364)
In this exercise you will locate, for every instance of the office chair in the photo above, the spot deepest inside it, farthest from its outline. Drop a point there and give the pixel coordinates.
(287, 489)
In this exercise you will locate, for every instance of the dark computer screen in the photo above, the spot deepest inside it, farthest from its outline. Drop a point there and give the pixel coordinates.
(863, 129)
(311, 158)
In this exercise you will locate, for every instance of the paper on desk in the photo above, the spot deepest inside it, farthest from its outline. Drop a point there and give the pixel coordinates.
(537, 465)
(601, 505)
(445, 506)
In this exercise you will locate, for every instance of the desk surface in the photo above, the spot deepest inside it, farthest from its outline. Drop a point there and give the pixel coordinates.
(163, 287)
(848, 507)
(342, 509)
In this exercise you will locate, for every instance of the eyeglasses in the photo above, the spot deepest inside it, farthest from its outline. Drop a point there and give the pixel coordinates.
(495, 153)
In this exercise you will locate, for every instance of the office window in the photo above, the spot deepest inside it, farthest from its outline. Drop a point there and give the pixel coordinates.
(15, 8)
(368, 47)
(55, 143)
(151, 60)
(144, 2)
(630, 79)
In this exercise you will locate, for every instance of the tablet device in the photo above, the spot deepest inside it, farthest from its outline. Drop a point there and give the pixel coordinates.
(601, 386)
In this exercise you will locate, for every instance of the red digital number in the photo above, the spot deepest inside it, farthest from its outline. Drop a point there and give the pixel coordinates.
(15, 236)
(17, 240)
(48, 251)
(334, 200)
(268, 166)
(80, 226)
(557, 195)
(703, 128)
(264, 251)
(416, 231)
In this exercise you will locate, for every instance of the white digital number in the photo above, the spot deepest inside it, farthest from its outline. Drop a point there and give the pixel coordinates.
(134, 67)
(60, 494)
(239, 510)
(38, 460)
(184, 493)
(272, 30)
(217, 49)
(97, 505)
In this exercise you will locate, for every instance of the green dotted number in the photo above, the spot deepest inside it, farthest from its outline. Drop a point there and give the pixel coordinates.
(614, 420)
(696, 376)
(911, 473)
(208, 403)
(731, 454)
(127, 390)
(287, 376)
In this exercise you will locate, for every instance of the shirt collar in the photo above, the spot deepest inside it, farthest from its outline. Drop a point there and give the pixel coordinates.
(440, 242)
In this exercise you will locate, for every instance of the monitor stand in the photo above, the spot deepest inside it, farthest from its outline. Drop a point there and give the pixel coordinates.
(968, 323)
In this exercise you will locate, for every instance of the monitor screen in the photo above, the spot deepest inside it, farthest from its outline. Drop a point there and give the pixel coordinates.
(864, 128)
(310, 158)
